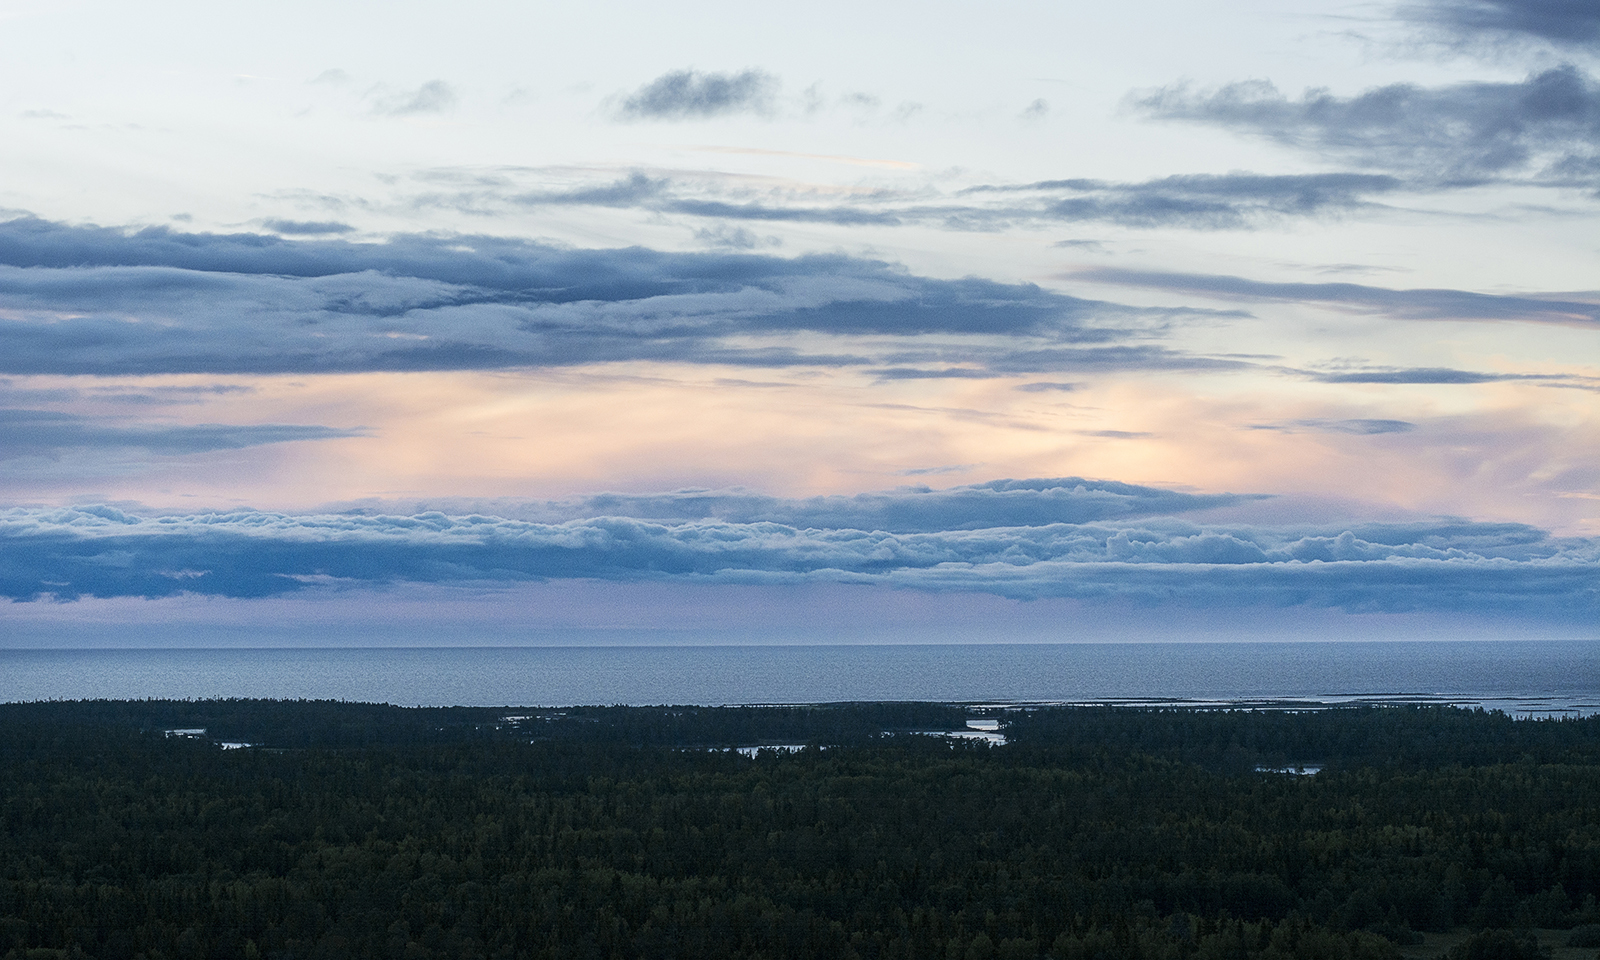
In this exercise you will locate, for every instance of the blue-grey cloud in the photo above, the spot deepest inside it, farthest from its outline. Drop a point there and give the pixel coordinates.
(12, 392)
(1572, 23)
(47, 433)
(1201, 201)
(998, 503)
(307, 228)
(1198, 201)
(666, 195)
(1440, 565)
(1546, 127)
(1442, 376)
(78, 298)
(1362, 427)
(635, 189)
(946, 373)
(689, 94)
(1090, 359)
(838, 214)
(1421, 304)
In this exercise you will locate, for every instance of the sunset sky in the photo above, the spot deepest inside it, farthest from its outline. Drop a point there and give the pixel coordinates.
(413, 323)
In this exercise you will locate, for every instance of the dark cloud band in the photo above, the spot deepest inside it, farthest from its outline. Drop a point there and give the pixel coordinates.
(79, 299)
(998, 503)
(1447, 565)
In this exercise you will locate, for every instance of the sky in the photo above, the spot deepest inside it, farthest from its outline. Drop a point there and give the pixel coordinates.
(489, 323)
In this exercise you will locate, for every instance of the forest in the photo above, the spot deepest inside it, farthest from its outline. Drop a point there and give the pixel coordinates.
(288, 829)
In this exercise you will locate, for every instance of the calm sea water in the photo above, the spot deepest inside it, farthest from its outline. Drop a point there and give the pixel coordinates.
(1523, 677)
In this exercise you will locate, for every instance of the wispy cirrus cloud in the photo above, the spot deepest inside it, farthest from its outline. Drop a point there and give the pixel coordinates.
(1199, 201)
(1232, 201)
(1434, 376)
(1359, 426)
(1423, 304)
(48, 433)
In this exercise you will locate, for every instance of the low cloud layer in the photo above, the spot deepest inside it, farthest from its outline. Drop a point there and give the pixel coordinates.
(1425, 566)
(998, 503)
(1545, 128)
(689, 94)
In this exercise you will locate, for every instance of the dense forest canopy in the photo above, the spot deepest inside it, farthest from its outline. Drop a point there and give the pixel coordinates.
(368, 830)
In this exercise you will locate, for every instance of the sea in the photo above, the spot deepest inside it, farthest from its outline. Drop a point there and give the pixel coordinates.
(1522, 678)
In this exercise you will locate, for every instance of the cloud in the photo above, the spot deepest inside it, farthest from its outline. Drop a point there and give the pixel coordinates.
(1434, 565)
(1419, 375)
(46, 433)
(1546, 127)
(664, 195)
(91, 300)
(1422, 304)
(688, 94)
(1360, 427)
(1197, 201)
(1102, 359)
(735, 238)
(307, 228)
(435, 96)
(998, 503)
(1201, 201)
(1572, 23)
(140, 395)
(947, 373)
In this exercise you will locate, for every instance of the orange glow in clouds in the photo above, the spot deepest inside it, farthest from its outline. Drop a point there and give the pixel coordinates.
(1507, 452)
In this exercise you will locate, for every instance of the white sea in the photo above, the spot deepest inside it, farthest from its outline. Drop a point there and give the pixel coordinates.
(1524, 678)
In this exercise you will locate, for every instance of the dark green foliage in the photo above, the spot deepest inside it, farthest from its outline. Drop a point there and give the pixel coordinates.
(326, 723)
(1351, 737)
(1498, 945)
(370, 831)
